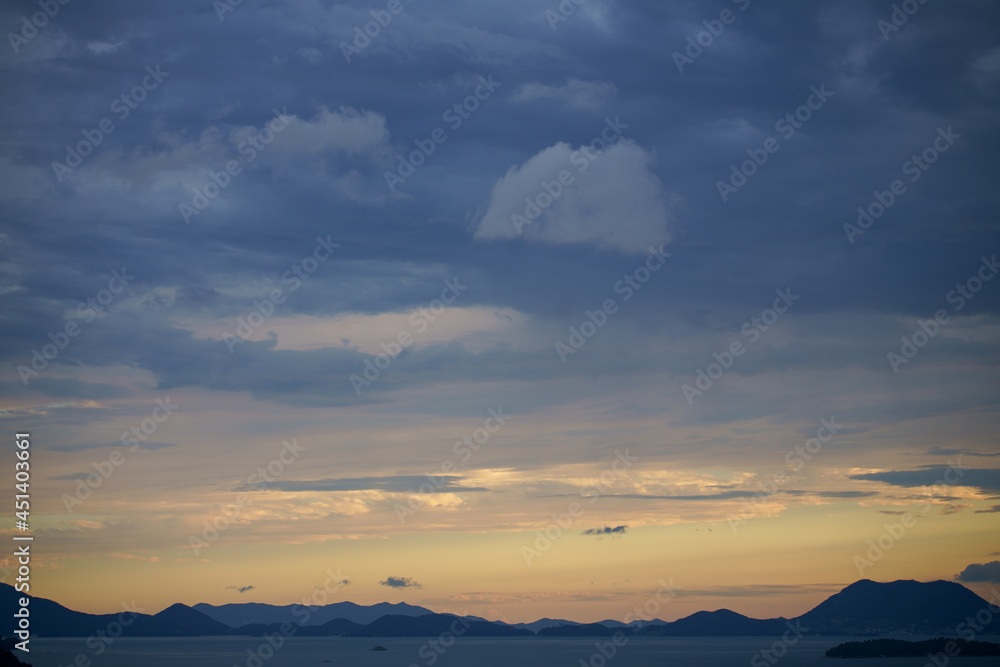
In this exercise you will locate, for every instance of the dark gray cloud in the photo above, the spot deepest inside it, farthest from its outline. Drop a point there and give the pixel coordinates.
(831, 494)
(984, 479)
(606, 530)
(730, 495)
(241, 589)
(400, 582)
(941, 451)
(980, 572)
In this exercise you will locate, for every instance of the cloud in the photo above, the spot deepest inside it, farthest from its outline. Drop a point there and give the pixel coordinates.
(617, 530)
(240, 589)
(400, 582)
(992, 510)
(730, 495)
(938, 451)
(831, 494)
(725, 495)
(984, 479)
(99, 47)
(985, 572)
(575, 93)
(70, 388)
(151, 446)
(783, 227)
(760, 590)
(395, 484)
(348, 130)
(616, 201)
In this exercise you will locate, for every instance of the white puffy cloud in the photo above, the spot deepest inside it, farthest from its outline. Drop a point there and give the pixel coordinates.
(346, 130)
(575, 93)
(614, 200)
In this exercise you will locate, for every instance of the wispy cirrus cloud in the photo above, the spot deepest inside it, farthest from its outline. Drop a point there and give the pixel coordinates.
(391, 484)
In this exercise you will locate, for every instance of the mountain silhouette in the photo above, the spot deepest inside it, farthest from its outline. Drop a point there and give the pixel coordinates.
(904, 606)
(578, 630)
(236, 614)
(51, 619)
(178, 620)
(542, 623)
(864, 608)
(435, 624)
(719, 623)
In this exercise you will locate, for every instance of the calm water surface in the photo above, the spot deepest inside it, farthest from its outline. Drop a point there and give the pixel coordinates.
(466, 652)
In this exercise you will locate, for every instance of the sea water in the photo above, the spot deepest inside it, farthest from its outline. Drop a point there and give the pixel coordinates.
(464, 652)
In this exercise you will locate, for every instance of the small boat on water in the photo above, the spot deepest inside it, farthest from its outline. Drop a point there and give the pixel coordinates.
(378, 648)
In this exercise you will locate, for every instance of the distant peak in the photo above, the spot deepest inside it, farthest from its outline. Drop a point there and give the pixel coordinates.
(178, 607)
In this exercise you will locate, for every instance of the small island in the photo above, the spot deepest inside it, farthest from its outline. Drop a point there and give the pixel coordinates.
(900, 648)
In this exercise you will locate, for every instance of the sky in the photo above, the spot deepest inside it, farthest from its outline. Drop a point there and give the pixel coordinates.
(514, 309)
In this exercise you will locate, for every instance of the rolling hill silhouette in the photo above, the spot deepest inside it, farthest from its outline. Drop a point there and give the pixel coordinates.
(235, 615)
(864, 608)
